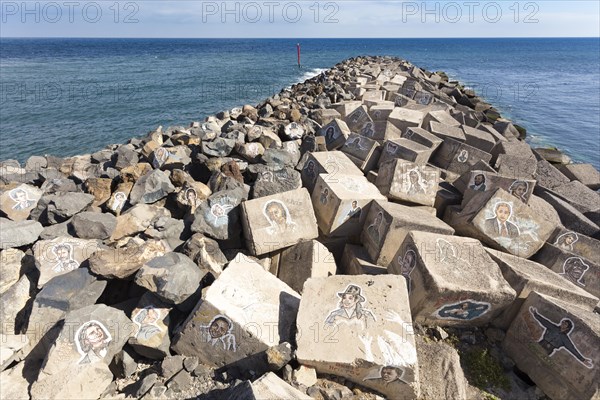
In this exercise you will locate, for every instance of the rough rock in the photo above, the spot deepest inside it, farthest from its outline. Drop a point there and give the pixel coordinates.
(218, 216)
(61, 255)
(173, 277)
(18, 202)
(93, 225)
(151, 337)
(151, 187)
(137, 219)
(123, 262)
(17, 234)
(12, 305)
(206, 253)
(62, 206)
(10, 268)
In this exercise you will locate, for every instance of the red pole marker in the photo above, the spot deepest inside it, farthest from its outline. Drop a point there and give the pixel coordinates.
(298, 47)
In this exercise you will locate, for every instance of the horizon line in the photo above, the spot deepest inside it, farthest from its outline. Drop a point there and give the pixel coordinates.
(300, 38)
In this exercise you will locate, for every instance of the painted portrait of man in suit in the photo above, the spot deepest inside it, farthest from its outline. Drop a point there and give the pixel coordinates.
(500, 225)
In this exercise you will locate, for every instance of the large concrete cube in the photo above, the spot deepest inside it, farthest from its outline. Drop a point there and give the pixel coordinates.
(423, 137)
(335, 133)
(405, 149)
(356, 332)
(481, 181)
(527, 276)
(576, 243)
(503, 222)
(274, 222)
(388, 223)
(404, 118)
(326, 162)
(341, 203)
(452, 281)
(243, 313)
(458, 157)
(576, 269)
(558, 346)
(402, 180)
(363, 151)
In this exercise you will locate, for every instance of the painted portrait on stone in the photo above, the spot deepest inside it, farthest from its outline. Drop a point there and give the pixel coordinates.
(465, 310)
(64, 258)
(92, 340)
(279, 218)
(146, 320)
(557, 337)
(566, 241)
(21, 198)
(500, 225)
(219, 333)
(351, 308)
(574, 269)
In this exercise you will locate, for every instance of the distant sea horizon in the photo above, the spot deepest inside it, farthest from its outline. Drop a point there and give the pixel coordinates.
(69, 96)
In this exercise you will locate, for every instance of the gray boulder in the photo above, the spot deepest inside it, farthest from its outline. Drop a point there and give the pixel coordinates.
(93, 225)
(151, 187)
(62, 206)
(173, 277)
(17, 234)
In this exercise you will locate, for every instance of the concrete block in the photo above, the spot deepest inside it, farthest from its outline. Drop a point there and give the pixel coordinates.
(357, 118)
(478, 138)
(423, 137)
(405, 149)
(403, 118)
(557, 345)
(387, 224)
(326, 162)
(526, 276)
(517, 167)
(504, 223)
(335, 133)
(405, 181)
(458, 157)
(244, 312)
(309, 259)
(481, 181)
(444, 131)
(441, 117)
(548, 176)
(274, 222)
(576, 269)
(362, 150)
(576, 243)
(355, 332)
(584, 173)
(341, 203)
(356, 261)
(442, 293)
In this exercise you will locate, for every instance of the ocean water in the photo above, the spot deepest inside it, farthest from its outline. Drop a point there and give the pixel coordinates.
(74, 96)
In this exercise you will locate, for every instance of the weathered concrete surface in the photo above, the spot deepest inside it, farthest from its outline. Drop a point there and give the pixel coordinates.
(405, 181)
(239, 318)
(330, 162)
(526, 276)
(578, 270)
(442, 294)
(355, 332)
(501, 221)
(557, 345)
(584, 173)
(274, 222)
(576, 243)
(341, 203)
(309, 259)
(387, 224)
(356, 261)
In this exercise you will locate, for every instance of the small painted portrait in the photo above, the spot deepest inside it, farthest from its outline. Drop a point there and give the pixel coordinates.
(64, 258)
(573, 269)
(478, 183)
(92, 340)
(416, 186)
(218, 214)
(566, 241)
(356, 115)
(160, 157)
(519, 190)
(355, 211)
(191, 197)
(350, 308)
(408, 134)
(387, 375)
(355, 143)
(558, 336)
(463, 156)
(407, 265)
(377, 114)
(500, 225)
(279, 218)
(330, 134)
(119, 201)
(391, 148)
(21, 199)
(219, 333)
(311, 171)
(146, 320)
(374, 230)
(324, 198)
(368, 129)
(463, 310)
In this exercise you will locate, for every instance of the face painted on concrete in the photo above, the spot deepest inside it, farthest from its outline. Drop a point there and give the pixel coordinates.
(502, 212)
(219, 328)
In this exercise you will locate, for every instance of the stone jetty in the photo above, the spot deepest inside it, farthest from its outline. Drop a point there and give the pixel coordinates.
(377, 231)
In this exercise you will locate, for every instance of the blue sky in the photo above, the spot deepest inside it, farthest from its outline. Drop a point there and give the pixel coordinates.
(291, 19)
